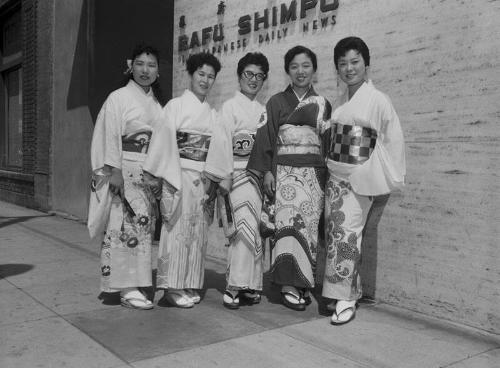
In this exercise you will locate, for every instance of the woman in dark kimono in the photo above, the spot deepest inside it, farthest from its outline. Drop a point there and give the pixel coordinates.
(289, 154)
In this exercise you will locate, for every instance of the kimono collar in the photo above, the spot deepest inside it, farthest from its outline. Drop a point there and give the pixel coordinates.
(291, 96)
(132, 84)
(361, 93)
(304, 95)
(193, 98)
(244, 99)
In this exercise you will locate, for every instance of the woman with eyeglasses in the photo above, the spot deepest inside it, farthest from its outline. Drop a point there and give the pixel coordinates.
(288, 152)
(122, 210)
(241, 116)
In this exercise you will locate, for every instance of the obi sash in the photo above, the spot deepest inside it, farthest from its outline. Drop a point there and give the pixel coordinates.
(137, 142)
(193, 146)
(352, 144)
(243, 142)
(298, 140)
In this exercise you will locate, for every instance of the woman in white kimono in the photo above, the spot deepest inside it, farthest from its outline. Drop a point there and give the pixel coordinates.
(242, 115)
(366, 158)
(183, 241)
(121, 206)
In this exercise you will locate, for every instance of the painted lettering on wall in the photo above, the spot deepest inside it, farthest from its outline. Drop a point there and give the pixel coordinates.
(279, 18)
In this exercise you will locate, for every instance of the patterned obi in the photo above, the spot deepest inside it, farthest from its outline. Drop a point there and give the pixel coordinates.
(137, 142)
(298, 139)
(193, 146)
(242, 144)
(352, 144)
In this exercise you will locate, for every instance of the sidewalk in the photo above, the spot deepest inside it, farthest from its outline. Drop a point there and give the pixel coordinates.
(51, 316)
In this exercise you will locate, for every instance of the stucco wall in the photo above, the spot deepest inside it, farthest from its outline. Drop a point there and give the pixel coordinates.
(434, 246)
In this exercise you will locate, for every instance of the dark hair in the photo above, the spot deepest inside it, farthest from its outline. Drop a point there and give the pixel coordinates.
(350, 43)
(196, 61)
(255, 58)
(294, 51)
(143, 48)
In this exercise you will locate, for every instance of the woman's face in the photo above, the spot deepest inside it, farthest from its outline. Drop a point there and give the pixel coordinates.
(301, 71)
(251, 80)
(352, 68)
(202, 81)
(145, 70)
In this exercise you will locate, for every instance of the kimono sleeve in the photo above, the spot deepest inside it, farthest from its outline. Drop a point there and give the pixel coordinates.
(219, 163)
(386, 168)
(163, 159)
(263, 151)
(106, 146)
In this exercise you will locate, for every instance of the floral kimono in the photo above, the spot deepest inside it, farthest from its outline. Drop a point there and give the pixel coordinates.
(177, 155)
(124, 225)
(290, 146)
(241, 117)
(366, 158)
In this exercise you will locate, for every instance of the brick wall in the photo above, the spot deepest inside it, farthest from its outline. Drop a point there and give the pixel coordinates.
(434, 246)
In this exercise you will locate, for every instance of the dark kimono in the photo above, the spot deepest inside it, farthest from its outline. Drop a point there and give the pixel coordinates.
(290, 146)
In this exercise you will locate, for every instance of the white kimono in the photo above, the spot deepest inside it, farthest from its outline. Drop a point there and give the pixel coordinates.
(350, 187)
(128, 115)
(183, 239)
(241, 118)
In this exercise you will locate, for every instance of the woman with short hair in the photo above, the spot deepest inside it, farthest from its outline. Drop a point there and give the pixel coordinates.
(366, 158)
(241, 116)
(177, 156)
(288, 152)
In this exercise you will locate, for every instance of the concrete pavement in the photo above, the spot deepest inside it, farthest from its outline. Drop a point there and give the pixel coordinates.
(51, 315)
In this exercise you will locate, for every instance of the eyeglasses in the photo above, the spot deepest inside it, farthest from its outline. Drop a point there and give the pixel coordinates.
(249, 75)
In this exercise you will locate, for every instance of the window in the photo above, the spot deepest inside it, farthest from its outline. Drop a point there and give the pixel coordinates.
(11, 123)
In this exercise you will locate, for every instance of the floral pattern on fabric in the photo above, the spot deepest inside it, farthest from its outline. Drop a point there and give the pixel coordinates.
(127, 241)
(342, 253)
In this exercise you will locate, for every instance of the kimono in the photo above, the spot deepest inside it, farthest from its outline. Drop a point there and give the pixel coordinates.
(366, 158)
(290, 146)
(241, 117)
(124, 226)
(177, 155)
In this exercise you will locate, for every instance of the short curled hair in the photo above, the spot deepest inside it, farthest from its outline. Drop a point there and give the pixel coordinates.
(196, 61)
(255, 58)
(294, 51)
(351, 43)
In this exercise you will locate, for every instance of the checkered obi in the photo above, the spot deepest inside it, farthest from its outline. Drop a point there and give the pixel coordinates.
(137, 142)
(193, 146)
(242, 144)
(298, 139)
(352, 144)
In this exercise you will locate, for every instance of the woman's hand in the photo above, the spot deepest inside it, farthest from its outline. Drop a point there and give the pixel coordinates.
(269, 184)
(153, 183)
(225, 186)
(116, 182)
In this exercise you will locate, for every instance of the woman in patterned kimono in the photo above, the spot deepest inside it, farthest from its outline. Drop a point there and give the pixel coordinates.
(120, 202)
(289, 153)
(241, 116)
(366, 158)
(183, 240)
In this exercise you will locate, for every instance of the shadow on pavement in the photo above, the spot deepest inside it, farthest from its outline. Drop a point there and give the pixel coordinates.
(12, 269)
(7, 221)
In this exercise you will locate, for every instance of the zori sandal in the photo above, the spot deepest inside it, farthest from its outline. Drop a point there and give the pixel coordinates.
(136, 303)
(346, 314)
(250, 296)
(293, 301)
(230, 301)
(178, 298)
(193, 294)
